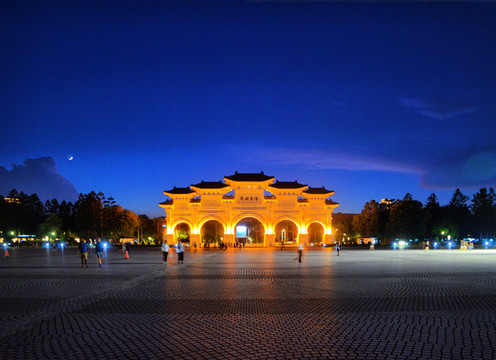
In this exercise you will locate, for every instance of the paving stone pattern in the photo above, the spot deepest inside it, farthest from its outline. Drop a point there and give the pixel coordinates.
(249, 304)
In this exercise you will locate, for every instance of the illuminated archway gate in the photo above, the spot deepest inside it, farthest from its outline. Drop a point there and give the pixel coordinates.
(250, 195)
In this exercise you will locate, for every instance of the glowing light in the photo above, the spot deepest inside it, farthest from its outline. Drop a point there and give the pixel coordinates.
(241, 231)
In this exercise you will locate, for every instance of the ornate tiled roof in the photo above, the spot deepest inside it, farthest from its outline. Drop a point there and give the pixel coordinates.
(210, 185)
(180, 190)
(287, 185)
(167, 202)
(317, 191)
(330, 202)
(249, 177)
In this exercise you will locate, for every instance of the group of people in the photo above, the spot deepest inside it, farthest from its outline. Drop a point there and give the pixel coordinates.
(83, 252)
(301, 247)
(179, 252)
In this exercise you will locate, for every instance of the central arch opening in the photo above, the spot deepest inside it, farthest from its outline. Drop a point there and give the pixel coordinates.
(286, 232)
(212, 232)
(249, 231)
(182, 232)
(316, 233)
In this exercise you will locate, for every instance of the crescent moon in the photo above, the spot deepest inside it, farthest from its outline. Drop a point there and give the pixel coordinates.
(71, 157)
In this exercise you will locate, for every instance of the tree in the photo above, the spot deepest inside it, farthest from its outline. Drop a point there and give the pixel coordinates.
(52, 206)
(432, 206)
(52, 225)
(408, 218)
(458, 200)
(459, 213)
(343, 226)
(88, 215)
(484, 211)
(432, 202)
(148, 228)
(368, 223)
(129, 223)
(121, 223)
(66, 213)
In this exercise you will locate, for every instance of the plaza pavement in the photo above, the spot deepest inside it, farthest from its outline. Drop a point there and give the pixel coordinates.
(249, 304)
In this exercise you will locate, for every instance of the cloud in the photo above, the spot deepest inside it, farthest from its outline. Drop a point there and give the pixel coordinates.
(38, 176)
(475, 171)
(437, 109)
(321, 160)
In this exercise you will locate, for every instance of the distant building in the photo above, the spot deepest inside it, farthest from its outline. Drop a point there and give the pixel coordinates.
(249, 208)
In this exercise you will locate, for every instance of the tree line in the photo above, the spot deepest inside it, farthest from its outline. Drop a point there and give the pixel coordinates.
(92, 216)
(410, 219)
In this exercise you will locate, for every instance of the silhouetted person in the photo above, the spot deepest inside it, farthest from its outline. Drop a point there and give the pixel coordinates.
(99, 252)
(165, 250)
(180, 253)
(83, 253)
(300, 251)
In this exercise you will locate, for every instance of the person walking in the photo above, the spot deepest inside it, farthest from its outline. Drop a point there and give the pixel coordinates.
(180, 253)
(99, 252)
(338, 247)
(83, 253)
(165, 250)
(300, 251)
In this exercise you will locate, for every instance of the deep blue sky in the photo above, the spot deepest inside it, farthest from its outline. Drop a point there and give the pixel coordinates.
(370, 99)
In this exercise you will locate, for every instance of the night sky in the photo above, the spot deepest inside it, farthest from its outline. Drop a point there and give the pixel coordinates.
(369, 99)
